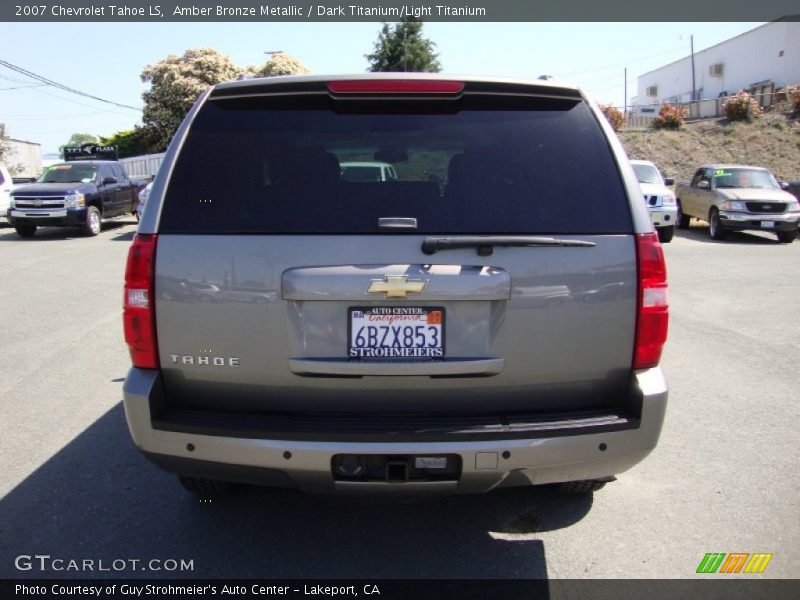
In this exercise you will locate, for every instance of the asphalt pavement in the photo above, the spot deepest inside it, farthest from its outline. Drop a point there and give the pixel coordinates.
(724, 477)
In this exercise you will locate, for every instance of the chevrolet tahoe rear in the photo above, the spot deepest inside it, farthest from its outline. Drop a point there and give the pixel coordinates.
(403, 335)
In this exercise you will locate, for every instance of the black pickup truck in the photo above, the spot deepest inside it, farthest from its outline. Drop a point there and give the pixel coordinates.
(87, 188)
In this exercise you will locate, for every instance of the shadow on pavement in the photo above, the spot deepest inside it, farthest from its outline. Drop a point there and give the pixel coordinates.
(699, 233)
(99, 499)
(50, 234)
(124, 237)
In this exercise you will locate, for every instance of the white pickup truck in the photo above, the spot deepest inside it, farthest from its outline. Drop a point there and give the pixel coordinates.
(6, 184)
(738, 198)
(659, 198)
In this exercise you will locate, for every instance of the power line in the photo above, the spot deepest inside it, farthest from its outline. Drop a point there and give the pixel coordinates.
(51, 118)
(61, 86)
(116, 112)
(22, 87)
(623, 63)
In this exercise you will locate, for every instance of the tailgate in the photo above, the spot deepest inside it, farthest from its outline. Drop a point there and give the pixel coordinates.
(534, 329)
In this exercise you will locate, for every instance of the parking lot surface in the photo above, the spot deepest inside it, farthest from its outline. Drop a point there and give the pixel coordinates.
(724, 477)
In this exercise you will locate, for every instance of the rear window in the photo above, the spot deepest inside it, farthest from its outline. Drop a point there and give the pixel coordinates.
(259, 165)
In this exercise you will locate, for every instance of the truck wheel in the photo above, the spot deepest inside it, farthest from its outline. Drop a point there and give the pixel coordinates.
(25, 230)
(580, 487)
(786, 237)
(665, 234)
(682, 220)
(92, 225)
(206, 488)
(715, 228)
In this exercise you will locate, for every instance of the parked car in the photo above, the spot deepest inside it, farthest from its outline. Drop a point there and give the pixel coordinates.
(659, 198)
(504, 329)
(793, 187)
(143, 194)
(368, 171)
(738, 198)
(6, 185)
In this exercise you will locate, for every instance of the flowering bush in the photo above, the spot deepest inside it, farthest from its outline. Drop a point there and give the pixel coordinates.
(670, 117)
(793, 92)
(613, 115)
(742, 107)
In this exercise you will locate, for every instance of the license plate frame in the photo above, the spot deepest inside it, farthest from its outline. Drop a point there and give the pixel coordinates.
(388, 353)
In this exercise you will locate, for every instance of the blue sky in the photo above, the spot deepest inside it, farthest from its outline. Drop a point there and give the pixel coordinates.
(105, 59)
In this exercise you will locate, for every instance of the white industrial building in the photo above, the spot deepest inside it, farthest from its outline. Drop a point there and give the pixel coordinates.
(761, 61)
(25, 158)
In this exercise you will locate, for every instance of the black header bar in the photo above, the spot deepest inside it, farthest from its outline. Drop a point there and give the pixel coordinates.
(394, 10)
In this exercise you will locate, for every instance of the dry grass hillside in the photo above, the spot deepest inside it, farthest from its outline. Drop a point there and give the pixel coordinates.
(772, 142)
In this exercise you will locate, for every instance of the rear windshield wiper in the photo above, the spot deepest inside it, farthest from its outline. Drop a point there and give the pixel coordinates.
(485, 244)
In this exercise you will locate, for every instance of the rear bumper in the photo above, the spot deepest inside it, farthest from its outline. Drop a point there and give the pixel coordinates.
(583, 453)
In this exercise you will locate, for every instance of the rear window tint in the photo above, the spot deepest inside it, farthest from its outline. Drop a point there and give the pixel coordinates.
(262, 166)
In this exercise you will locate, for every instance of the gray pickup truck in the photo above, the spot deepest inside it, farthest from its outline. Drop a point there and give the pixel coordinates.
(482, 320)
(738, 198)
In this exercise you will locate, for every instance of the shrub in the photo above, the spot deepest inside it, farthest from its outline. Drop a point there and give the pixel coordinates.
(742, 107)
(614, 116)
(670, 117)
(793, 92)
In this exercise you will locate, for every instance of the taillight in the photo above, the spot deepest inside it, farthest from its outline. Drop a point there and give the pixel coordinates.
(395, 86)
(138, 309)
(653, 307)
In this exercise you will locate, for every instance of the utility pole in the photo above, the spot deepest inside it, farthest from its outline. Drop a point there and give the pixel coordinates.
(694, 87)
(625, 110)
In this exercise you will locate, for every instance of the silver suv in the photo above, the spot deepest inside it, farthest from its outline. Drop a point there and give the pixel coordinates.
(488, 318)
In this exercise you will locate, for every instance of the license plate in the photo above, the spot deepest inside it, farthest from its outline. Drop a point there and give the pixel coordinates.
(430, 462)
(396, 332)
(767, 224)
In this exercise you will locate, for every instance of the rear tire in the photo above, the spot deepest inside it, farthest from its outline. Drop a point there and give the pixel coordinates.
(205, 488)
(682, 220)
(25, 230)
(665, 234)
(715, 228)
(92, 226)
(580, 487)
(786, 237)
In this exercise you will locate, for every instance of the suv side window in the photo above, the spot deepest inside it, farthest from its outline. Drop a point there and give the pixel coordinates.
(118, 172)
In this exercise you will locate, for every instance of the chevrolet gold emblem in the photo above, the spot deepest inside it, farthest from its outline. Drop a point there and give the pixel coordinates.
(396, 286)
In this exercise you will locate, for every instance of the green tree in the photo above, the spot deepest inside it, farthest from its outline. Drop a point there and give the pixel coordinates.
(129, 142)
(77, 139)
(403, 48)
(282, 64)
(176, 82)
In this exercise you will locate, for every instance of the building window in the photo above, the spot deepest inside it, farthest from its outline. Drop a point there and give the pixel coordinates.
(717, 70)
(652, 91)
